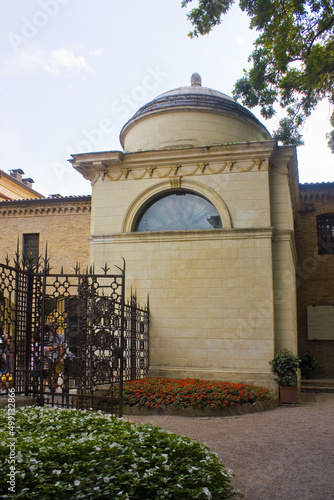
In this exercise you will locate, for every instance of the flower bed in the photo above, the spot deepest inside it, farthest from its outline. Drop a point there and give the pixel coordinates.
(155, 393)
(72, 454)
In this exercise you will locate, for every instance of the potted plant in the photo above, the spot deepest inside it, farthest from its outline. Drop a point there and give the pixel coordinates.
(308, 366)
(285, 365)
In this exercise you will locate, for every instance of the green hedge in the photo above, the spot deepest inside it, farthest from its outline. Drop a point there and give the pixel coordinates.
(72, 454)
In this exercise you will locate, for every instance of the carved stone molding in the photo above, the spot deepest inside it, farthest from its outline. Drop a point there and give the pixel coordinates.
(175, 182)
(43, 209)
(195, 235)
(100, 175)
(202, 168)
(164, 187)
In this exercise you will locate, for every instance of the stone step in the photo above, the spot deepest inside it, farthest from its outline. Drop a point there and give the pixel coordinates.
(317, 385)
(317, 389)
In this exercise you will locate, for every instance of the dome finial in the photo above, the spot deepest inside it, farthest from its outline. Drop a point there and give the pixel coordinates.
(196, 80)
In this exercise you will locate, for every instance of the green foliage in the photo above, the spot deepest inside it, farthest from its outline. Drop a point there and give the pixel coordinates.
(194, 393)
(285, 365)
(293, 60)
(308, 366)
(72, 454)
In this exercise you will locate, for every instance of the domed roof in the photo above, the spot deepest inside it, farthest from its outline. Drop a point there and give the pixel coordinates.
(193, 98)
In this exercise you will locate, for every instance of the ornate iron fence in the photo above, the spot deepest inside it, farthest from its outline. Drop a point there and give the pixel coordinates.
(74, 340)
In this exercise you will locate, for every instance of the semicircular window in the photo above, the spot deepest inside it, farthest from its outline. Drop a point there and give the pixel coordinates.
(179, 210)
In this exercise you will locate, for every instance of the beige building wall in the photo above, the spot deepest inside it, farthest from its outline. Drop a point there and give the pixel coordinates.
(205, 298)
(284, 194)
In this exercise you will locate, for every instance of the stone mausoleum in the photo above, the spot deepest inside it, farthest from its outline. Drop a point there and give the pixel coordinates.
(201, 204)
(207, 211)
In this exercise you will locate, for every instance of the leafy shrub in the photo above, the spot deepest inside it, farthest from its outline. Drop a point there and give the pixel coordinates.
(160, 392)
(308, 366)
(285, 365)
(72, 454)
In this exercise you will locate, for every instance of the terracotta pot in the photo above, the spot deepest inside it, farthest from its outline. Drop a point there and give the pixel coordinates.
(288, 395)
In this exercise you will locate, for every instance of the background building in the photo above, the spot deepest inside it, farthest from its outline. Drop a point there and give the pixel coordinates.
(315, 275)
(15, 187)
(63, 223)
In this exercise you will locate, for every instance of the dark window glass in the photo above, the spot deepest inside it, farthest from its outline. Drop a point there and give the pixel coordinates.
(180, 210)
(325, 224)
(31, 248)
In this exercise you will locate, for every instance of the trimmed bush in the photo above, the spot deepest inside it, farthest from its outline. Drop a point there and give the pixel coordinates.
(72, 454)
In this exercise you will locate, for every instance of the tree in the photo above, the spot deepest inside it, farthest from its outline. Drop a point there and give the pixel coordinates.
(293, 60)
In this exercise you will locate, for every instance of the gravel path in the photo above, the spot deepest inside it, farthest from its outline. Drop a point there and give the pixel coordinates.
(286, 453)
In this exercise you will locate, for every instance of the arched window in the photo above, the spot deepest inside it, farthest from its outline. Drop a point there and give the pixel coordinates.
(176, 211)
(325, 227)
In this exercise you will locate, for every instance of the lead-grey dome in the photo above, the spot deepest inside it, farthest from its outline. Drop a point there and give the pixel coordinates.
(190, 99)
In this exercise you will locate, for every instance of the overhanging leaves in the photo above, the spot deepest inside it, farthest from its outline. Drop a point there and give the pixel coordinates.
(292, 61)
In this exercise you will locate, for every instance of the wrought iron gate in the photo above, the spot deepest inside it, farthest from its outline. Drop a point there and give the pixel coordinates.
(74, 340)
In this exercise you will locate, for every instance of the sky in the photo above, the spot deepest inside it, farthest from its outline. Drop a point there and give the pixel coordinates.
(72, 72)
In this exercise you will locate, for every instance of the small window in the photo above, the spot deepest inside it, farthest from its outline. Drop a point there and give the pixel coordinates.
(179, 210)
(325, 225)
(30, 251)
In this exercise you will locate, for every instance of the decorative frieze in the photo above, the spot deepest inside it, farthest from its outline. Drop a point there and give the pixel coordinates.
(44, 207)
(163, 172)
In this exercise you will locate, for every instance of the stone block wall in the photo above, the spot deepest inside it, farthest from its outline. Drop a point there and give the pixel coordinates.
(211, 304)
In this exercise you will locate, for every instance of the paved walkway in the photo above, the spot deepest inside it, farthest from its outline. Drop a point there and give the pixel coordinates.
(282, 454)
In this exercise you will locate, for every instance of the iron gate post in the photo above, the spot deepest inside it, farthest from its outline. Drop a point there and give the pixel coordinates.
(28, 336)
(133, 339)
(121, 368)
(45, 270)
(16, 298)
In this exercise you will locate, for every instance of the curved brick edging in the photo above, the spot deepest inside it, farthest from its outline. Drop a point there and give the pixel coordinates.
(19, 401)
(229, 411)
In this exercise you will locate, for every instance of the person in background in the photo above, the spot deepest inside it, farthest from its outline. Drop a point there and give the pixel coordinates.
(53, 351)
(9, 349)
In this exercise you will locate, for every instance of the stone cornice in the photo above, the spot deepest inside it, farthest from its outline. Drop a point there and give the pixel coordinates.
(115, 165)
(93, 166)
(205, 235)
(46, 206)
(316, 186)
(322, 191)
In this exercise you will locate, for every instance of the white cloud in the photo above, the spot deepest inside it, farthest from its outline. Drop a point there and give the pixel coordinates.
(241, 41)
(32, 59)
(64, 58)
(96, 52)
